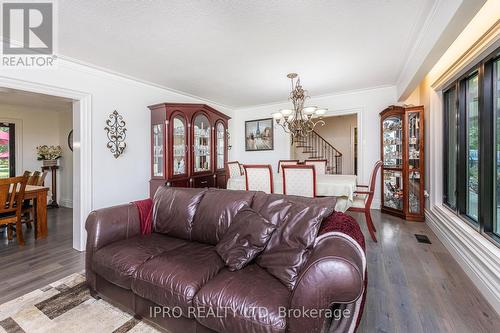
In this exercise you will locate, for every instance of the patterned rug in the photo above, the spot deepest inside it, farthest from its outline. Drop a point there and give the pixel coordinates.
(66, 306)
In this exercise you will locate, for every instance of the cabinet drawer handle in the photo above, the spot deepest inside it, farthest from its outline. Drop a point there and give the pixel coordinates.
(204, 182)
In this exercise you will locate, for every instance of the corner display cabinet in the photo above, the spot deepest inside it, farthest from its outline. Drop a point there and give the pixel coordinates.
(188, 146)
(402, 149)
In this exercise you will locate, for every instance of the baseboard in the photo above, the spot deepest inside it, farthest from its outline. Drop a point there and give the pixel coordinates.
(68, 203)
(478, 257)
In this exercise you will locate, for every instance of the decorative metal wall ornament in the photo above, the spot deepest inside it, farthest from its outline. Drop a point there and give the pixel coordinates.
(117, 133)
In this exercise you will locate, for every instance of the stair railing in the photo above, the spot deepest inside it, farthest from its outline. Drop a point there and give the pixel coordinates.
(318, 148)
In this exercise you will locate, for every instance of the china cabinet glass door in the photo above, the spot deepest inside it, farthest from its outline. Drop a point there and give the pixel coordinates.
(221, 131)
(393, 162)
(158, 155)
(201, 144)
(414, 164)
(179, 146)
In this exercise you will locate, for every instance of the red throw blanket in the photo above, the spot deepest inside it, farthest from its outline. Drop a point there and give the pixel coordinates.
(337, 222)
(145, 208)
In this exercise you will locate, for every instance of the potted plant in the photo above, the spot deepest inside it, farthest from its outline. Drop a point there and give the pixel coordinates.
(49, 154)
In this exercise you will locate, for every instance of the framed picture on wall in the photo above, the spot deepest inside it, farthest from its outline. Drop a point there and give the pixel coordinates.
(259, 135)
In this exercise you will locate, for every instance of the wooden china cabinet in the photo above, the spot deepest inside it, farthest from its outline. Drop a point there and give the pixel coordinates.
(403, 171)
(188, 146)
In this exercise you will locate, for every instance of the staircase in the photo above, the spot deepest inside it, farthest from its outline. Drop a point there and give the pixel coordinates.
(317, 147)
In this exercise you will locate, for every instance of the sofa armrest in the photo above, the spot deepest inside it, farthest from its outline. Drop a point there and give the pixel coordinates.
(334, 273)
(108, 225)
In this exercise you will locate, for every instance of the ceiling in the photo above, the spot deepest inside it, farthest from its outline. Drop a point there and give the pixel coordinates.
(238, 53)
(34, 100)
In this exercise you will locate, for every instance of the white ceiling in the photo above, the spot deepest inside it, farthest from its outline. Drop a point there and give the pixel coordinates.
(34, 100)
(238, 52)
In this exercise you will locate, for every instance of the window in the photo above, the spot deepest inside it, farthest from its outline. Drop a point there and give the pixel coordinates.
(7, 150)
(472, 114)
(450, 113)
(471, 150)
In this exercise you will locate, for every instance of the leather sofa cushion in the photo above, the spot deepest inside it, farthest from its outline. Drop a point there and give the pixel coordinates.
(173, 278)
(174, 210)
(236, 294)
(118, 261)
(216, 212)
(287, 250)
(245, 238)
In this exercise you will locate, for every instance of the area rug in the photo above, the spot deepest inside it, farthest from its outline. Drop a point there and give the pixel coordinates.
(66, 306)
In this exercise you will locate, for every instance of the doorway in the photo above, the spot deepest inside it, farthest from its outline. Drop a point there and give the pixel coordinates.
(82, 153)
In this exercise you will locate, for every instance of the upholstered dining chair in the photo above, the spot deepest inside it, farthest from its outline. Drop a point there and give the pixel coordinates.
(299, 180)
(319, 165)
(233, 169)
(259, 177)
(363, 198)
(286, 162)
(11, 202)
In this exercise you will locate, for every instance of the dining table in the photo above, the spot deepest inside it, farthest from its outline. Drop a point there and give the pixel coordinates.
(39, 196)
(340, 186)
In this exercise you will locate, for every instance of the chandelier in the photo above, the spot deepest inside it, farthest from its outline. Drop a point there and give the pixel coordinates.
(300, 120)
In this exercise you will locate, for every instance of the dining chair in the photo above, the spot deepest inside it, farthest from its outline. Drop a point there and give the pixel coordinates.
(319, 165)
(41, 179)
(286, 162)
(363, 198)
(233, 169)
(259, 177)
(299, 180)
(33, 180)
(28, 210)
(11, 202)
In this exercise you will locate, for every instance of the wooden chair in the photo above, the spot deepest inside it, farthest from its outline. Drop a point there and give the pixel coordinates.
(28, 210)
(259, 177)
(11, 202)
(363, 200)
(320, 165)
(286, 162)
(299, 180)
(41, 179)
(233, 169)
(33, 180)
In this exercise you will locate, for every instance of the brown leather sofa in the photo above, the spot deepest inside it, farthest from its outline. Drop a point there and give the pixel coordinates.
(174, 278)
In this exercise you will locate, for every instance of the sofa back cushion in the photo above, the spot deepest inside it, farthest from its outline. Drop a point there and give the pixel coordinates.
(245, 238)
(216, 213)
(298, 225)
(174, 210)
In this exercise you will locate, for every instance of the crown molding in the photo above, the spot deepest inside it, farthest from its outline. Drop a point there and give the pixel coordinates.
(339, 93)
(490, 38)
(91, 68)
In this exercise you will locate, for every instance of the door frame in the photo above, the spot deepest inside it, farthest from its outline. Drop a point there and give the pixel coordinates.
(359, 124)
(82, 151)
(18, 141)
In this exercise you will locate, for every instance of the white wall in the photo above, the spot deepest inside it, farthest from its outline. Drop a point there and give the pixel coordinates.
(65, 182)
(36, 127)
(368, 103)
(114, 181)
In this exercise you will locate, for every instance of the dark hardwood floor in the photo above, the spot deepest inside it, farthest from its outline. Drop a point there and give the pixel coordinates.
(412, 287)
(417, 287)
(38, 263)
